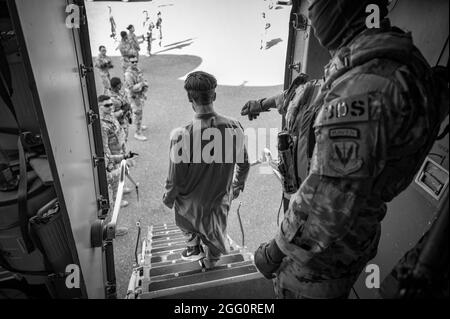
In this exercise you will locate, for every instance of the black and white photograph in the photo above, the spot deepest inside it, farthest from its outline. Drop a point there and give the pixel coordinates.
(224, 155)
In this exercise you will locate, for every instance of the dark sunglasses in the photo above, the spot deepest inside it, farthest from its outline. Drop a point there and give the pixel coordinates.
(134, 62)
(108, 105)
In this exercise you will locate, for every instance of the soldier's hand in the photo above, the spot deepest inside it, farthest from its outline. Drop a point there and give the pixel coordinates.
(131, 155)
(236, 192)
(263, 262)
(252, 108)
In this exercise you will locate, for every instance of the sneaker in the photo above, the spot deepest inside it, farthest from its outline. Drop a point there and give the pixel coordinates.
(121, 231)
(140, 137)
(144, 127)
(127, 190)
(193, 253)
(208, 264)
(124, 203)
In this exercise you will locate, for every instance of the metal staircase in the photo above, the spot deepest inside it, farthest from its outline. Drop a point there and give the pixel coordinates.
(161, 273)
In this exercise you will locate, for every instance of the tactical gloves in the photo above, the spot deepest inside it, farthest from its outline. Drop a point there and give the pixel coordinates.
(252, 108)
(268, 258)
(130, 155)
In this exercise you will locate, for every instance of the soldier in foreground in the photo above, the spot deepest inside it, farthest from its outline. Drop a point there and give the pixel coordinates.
(201, 185)
(136, 87)
(114, 150)
(360, 143)
(103, 63)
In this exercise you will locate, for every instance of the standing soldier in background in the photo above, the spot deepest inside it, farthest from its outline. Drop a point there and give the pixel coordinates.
(103, 63)
(132, 38)
(112, 22)
(122, 108)
(265, 25)
(360, 143)
(126, 50)
(159, 26)
(114, 150)
(148, 27)
(136, 87)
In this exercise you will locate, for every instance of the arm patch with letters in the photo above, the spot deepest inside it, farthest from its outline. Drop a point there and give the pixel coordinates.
(346, 138)
(348, 110)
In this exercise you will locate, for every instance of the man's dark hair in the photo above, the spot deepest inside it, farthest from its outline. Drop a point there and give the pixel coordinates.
(130, 27)
(103, 98)
(101, 47)
(115, 82)
(200, 87)
(123, 34)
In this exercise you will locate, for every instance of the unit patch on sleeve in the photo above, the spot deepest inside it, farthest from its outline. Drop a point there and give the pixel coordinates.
(344, 157)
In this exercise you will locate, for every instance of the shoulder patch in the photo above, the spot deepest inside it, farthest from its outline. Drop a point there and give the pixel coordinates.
(344, 110)
(345, 158)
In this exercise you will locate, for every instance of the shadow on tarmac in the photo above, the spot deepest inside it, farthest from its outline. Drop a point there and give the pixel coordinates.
(273, 42)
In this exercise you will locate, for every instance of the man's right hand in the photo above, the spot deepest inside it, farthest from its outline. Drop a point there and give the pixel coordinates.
(252, 108)
(264, 263)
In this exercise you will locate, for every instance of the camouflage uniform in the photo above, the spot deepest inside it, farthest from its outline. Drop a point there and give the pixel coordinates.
(132, 38)
(126, 50)
(149, 26)
(114, 149)
(136, 97)
(119, 100)
(103, 63)
(159, 28)
(361, 141)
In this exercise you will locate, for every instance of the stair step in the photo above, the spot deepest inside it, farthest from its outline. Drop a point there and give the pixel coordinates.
(164, 256)
(169, 243)
(192, 265)
(163, 226)
(246, 287)
(166, 232)
(168, 248)
(169, 262)
(202, 277)
(168, 228)
(163, 239)
(195, 269)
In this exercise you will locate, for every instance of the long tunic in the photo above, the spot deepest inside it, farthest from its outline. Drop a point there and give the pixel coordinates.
(200, 189)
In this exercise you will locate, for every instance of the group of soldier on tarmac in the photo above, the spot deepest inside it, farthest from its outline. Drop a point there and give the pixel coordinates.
(358, 137)
(121, 105)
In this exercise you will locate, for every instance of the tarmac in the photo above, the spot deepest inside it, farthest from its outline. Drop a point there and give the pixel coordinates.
(219, 37)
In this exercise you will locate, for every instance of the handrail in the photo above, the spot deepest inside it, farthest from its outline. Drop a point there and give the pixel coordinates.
(111, 227)
(266, 157)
